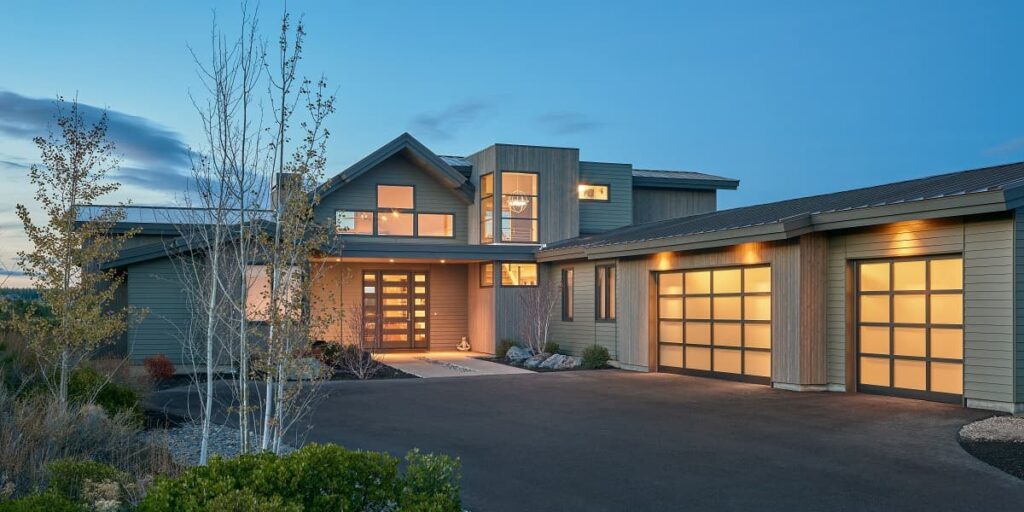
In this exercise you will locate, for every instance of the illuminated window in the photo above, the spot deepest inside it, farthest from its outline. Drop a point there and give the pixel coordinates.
(519, 207)
(567, 294)
(716, 320)
(395, 223)
(486, 274)
(353, 223)
(910, 325)
(436, 224)
(487, 208)
(519, 274)
(395, 196)
(592, 192)
(258, 292)
(605, 293)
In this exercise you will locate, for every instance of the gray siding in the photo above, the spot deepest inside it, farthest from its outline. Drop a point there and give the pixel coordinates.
(431, 196)
(559, 172)
(653, 204)
(156, 286)
(1018, 294)
(987, 247)
(598, 216)
(584, 330)
(484, 162)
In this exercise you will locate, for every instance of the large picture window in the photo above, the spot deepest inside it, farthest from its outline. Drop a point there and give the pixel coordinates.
(353, 222)
(910, 316)
(487, 208)
(395, 216)
(716, 321)
(605, 290)
(519, 274)
(436, 225)
(519, 207)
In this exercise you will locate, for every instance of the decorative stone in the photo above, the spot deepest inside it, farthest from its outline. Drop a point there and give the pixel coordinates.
(561, 362)
(518, 354)
(307, 368)
(535, 361)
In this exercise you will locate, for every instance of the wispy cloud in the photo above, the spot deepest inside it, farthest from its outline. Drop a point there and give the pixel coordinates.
(12, 273)
(566, 122)
(445, 123)
(1010, 146)
(158, 156)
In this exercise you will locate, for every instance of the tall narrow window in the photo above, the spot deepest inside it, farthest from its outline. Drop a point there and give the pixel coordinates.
(519, 274)
(519, 207)
(487, 208)
(567, 295)
(486, 275)
(605, 293)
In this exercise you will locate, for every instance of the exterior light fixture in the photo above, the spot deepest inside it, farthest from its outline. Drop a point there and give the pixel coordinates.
(443, 261)
(391, 260)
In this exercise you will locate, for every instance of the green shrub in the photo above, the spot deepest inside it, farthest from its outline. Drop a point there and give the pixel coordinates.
(505, 345)
(69, 478)
(317, 477)
(430, 483)
(552, 348)
(86, 383)
(595, 356)
(48, 502)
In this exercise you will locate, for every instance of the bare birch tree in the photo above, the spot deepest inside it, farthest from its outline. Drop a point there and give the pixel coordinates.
(538, 303)
(64, 262)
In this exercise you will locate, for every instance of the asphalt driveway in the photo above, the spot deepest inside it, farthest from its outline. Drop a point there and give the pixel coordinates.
(615, 440)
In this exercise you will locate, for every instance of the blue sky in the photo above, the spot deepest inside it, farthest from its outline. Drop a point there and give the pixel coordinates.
(792, 98)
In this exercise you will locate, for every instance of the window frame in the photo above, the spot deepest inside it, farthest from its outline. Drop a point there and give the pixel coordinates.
(928, 325)
(376, 203)
(373, 222)
(484, 283)
(742, 322)
(607, 187)
(417, 224)
(490, 239)
(568, 291)
(603, 294)
(385, 211)
(501, 214)
(501, 266)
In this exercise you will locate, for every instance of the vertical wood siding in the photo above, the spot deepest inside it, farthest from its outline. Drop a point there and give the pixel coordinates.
(484, 162)
(598, 216)
(431, 196)
(987, 247)
(558, 170)
(481, 312)
(651, 204)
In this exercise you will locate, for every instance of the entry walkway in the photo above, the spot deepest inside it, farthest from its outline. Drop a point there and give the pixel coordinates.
(447, 364)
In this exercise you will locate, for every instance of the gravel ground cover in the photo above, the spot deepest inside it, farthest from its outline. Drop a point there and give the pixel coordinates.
(998, 441)
(183, 442)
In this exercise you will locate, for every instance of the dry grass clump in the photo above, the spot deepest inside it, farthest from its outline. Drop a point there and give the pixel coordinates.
(35, 431)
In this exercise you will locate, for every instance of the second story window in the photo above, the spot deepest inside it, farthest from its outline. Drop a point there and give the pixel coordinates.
(395, 204)
(436, 224)
(605, 310)
(519, 207)
(587, 192)
(487, 208)
(353, 222)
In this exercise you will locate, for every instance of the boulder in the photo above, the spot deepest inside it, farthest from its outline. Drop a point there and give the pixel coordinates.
(561, 362)
(535, 361)
(518, 354)
(306, 368)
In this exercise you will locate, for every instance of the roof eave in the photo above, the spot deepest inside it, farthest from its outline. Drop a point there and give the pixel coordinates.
(680, 183)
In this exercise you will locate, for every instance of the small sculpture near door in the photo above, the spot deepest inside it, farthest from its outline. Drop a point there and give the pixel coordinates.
(463, 345)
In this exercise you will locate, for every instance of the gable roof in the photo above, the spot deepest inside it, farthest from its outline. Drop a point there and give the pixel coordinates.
(653, 178)
(960, 193)
(416, 152)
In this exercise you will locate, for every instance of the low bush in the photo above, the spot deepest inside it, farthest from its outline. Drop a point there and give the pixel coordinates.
(595, 356)
(159, 367)
(48, 502)
(505, 345)
(87, 385)
(79, 481)
(316, 477)
(552, 348)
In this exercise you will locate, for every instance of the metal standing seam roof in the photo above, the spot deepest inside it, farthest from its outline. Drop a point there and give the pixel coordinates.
(932, 187)
(661, 176)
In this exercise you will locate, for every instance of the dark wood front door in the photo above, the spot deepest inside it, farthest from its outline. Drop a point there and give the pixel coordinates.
(395, 309)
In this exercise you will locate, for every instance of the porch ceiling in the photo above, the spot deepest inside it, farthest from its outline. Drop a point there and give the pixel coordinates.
(430, 252)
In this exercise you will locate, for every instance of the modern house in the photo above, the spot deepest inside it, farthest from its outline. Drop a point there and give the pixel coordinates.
(907, 289)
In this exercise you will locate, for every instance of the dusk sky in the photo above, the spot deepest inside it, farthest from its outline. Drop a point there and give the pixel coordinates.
(792, 98)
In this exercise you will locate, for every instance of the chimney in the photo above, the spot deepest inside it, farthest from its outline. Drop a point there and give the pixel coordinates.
(284, 184)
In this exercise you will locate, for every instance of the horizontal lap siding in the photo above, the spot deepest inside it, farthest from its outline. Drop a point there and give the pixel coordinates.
(481, 312)
(584, 330)
(156, 286)
(431, 196)
(598, 216)
(987, 248)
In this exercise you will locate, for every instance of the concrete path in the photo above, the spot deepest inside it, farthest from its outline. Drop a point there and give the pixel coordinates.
(623, 441)
(447, 364)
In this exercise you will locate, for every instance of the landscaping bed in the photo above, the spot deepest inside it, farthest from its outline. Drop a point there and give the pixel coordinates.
(550, 359)
(385, 372)
(997, 441)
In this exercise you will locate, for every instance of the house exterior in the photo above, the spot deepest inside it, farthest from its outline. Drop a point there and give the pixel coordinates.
(907, 289)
